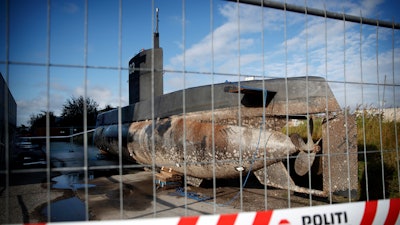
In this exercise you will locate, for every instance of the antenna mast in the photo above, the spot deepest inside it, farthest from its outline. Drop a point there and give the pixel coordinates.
(156, 35)
(157, 20)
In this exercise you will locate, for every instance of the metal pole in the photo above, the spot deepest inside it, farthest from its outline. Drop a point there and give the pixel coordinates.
(320, 13)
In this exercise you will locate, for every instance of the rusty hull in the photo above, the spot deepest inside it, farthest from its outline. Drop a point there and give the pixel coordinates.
(198, 152)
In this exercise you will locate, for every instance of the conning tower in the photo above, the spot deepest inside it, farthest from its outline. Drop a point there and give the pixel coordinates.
(141, 68)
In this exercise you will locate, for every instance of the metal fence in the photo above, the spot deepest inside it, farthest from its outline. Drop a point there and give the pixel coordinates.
(256, 105)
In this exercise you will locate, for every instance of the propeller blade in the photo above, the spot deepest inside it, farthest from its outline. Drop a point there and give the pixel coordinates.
(310, 142)
(306, 156)
(303, 162)
(298, 142)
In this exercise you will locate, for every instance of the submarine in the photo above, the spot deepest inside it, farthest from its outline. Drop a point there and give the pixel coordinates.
(220, 130)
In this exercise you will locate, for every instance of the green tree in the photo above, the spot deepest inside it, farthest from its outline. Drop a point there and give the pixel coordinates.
(39, 120)
(73, 112)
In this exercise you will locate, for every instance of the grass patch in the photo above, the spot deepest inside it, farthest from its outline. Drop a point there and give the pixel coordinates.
(376, 139)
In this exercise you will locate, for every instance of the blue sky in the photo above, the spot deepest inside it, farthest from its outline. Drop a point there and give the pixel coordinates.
(260, 52)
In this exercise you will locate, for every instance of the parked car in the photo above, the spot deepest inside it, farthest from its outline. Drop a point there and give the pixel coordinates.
(28, 154)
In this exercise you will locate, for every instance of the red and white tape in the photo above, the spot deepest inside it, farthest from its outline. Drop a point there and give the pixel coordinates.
(371, 212)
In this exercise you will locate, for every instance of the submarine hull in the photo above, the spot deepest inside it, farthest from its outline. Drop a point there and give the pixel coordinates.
(159, 133)
(200, 149)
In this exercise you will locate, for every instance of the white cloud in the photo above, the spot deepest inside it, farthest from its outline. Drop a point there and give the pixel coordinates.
(29, 107)
(308, 47)
(222, 44)
(60, 93)
(103, 95)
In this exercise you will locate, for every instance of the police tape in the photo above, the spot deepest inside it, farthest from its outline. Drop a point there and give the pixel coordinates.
(371, 212)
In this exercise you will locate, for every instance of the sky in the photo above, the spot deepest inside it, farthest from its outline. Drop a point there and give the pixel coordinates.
(230, 40)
